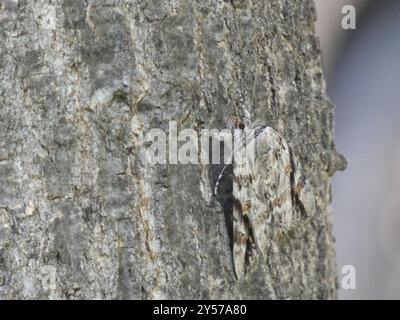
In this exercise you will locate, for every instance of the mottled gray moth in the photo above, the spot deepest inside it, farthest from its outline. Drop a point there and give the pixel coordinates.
(270, 191)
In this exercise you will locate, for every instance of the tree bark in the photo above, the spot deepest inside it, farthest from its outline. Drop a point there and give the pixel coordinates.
(83, 215)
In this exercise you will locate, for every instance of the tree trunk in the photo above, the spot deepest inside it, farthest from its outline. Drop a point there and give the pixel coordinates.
(82, 214)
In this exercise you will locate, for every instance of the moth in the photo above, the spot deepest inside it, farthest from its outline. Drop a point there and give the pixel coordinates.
(270, 192)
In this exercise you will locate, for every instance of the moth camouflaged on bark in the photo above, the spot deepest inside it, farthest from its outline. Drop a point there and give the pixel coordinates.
(270, 192)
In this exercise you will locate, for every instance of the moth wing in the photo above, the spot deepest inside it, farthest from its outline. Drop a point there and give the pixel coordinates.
(270, 193)
(242, 193)
(271, 190)
(280, 193)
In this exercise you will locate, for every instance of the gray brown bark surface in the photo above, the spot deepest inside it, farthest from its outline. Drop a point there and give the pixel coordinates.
(82, 214)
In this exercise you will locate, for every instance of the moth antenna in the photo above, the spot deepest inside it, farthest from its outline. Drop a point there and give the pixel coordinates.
(222, 171)
(218, 180)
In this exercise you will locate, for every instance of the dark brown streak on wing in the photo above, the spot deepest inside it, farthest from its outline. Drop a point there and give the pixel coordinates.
(248, 226)
(250, 244)
(296, 202)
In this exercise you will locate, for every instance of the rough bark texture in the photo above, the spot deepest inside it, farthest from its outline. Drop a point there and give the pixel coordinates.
(82, 214)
